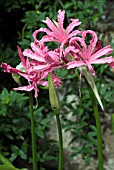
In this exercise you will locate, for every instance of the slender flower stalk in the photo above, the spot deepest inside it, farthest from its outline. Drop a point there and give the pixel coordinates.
(33, 133)
(98, 125)
(55, 105)
(113, 123)
(60, 142)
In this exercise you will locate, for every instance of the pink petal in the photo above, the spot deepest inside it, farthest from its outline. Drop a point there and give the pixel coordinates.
(30, 54)
(36, 90)
(70, 49)
(75, 64)
(81, 41)
(43, 83)
(98, 47)
(21, 56)
(93, 41)
(57, 80)
(37, 50)
(104, 51)
(103, 60)
(25, 88)
(60, 21)
(51, 25)
(54, 55)
(112, 64)
(26, 76)
(94, 36)
(74, 23)
(48, 32)
(39, 67)
(34, 35)
(74, 33)
(7, 68)
(48, 39)
(51, 35)
(91, 69)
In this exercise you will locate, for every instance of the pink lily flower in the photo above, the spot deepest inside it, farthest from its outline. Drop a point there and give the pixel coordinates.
(58, 33)
(88, 54)
(33, 77)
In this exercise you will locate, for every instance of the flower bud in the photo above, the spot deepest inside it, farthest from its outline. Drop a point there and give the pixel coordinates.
(54, 100)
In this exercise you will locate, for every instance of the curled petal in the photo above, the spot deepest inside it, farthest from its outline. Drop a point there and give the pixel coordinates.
(94, 36)
(7, 68)
(74, 23)
(70, 49)
(93, 41)
(74, 40)
(34, 35)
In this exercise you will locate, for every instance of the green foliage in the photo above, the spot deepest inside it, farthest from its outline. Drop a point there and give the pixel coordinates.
(13, 114)
(5, 161)
(15, 138)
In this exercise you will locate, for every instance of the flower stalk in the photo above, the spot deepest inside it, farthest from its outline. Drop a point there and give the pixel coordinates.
(60, 142)
(113, 123)
(33, 137)
(98, 125)
(55, 105)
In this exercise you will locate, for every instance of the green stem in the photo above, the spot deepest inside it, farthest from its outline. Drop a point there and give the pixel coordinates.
(113, 123)
(98, 125)
(33, 132)
(60, 142)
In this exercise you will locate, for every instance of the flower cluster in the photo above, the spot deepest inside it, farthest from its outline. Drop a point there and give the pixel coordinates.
(73, 51)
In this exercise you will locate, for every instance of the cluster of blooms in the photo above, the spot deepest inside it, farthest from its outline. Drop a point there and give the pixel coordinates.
(72, 52)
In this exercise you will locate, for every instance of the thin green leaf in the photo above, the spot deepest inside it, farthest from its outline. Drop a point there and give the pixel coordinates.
(5, 161)
(91, 82)
(5, 167)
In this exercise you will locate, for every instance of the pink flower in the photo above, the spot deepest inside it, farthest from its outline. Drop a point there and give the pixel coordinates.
(30, 71)
(88, 54)
(58, 33)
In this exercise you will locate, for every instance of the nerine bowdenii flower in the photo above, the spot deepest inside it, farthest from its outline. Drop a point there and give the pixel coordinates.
(34, 68)
(82, 54)
(56, 32)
